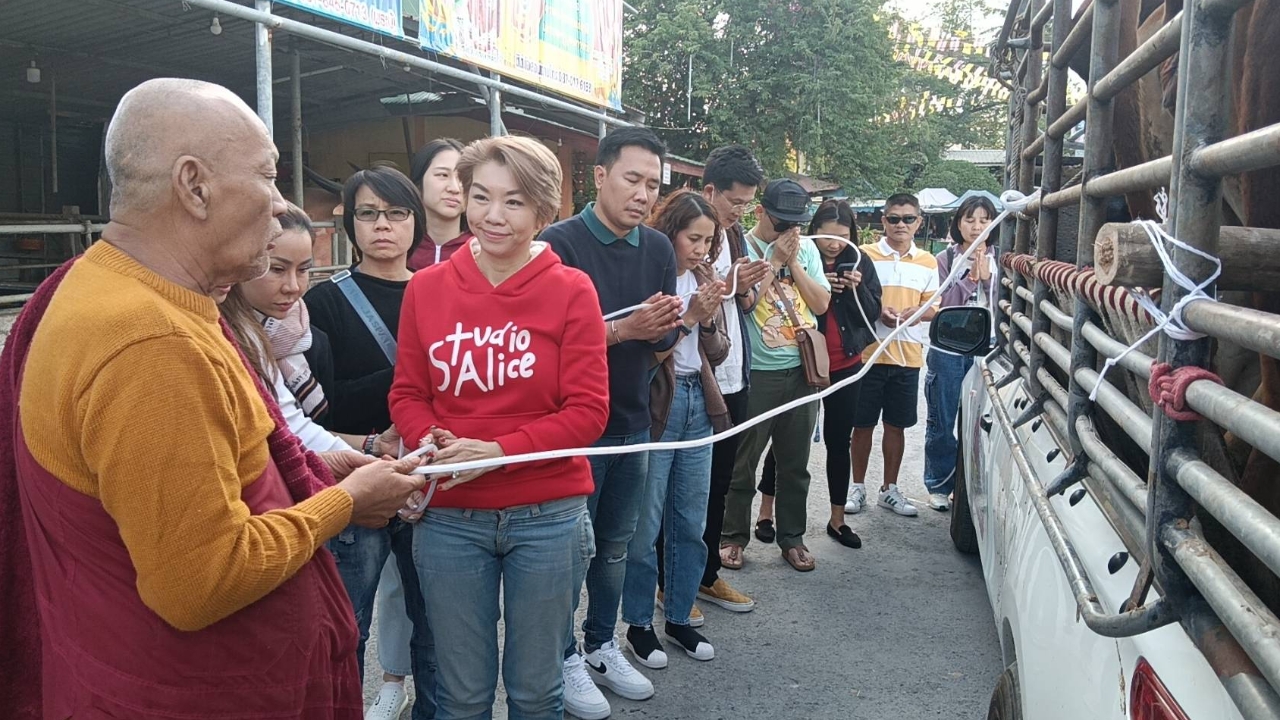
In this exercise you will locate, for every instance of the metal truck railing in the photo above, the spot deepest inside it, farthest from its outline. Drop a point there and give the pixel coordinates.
(1156, 514)
(83, 234)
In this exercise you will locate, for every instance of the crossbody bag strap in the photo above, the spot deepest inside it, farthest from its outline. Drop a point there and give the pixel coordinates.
(371, 319)
(786, 302)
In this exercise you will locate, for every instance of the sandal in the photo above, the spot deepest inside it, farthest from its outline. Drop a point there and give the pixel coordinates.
(764, 531)
(799, 558)
(845, 536)
(731, 557)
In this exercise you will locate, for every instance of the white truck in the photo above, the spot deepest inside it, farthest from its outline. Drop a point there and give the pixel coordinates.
(1130, 553)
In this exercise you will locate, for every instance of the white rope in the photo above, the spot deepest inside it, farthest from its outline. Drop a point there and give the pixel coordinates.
(1013, 202)
(1171, 324)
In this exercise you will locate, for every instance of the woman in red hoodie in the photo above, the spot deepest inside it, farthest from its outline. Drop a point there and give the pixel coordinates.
(502, 352)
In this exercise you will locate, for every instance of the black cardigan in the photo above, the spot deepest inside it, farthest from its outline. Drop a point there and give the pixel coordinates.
(855, 336)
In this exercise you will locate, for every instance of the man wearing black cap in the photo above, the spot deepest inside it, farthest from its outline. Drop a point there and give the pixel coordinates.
(777, 375)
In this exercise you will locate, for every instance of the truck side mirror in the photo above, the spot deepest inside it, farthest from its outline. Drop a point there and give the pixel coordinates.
(965, 330)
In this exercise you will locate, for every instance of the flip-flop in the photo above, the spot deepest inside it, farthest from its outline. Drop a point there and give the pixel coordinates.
(799, 558)
(731, 557)
(765, 532)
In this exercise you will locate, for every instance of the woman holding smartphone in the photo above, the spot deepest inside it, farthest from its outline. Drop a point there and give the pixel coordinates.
(853, 283)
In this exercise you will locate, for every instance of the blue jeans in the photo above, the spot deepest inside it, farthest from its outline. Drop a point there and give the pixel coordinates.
(942, 395)
(675, 503)
(615, 508)
(394, 626)
(534, 554)
(361, 554)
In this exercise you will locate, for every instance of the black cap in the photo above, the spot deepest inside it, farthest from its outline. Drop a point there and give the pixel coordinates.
(785, 200)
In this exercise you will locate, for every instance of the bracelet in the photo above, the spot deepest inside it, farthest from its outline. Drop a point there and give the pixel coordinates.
(369, 443)
(744, 295)
(613, 328)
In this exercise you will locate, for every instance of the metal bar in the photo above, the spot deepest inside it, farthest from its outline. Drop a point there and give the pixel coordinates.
(1250, 624)
(1027, 166)
(1057, 419)
(1045, 13)
(1253, 329)
(53, 130)
(1252, 151)
(1075, 39)
(328, 37)
(1252, 422)
(1201, 118)
(1061, 198)
(1136, 362)
(1025, 294)
(1055, 84)
(299, 192)
(1135, 423)
(1250, 522)
(1134, 489)
(262, 64)
(1058, 128)
(1023, 322)
(1103, 17)
(1148, 175)
(1054, 350)
(1056, 316)
(1038, 95)
(1134, 622)
(50, 228)
(1010, 17)
(1055, 390)
(1155, 50)
(495, 110)
(1128, 523)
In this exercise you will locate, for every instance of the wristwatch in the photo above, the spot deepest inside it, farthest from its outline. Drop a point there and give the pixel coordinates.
(684, 330)
(707, 328)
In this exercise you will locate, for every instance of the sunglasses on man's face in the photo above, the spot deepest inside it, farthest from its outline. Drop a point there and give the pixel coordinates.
(901, 219)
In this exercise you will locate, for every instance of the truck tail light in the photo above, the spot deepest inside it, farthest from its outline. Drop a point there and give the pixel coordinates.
(1149, 699)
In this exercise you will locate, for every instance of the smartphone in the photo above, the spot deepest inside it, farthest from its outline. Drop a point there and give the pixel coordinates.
(843, 268)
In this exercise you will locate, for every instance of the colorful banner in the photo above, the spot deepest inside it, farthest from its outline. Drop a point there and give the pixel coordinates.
(382, 16)
(573, 47)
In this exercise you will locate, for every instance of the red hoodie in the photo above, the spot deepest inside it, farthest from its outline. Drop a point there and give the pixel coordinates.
(428, 253)
(522, 364)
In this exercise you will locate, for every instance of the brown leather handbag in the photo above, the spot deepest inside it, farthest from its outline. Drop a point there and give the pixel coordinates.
(812, 344)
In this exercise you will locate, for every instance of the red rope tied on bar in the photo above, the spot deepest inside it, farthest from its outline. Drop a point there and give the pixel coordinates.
(1168, 389)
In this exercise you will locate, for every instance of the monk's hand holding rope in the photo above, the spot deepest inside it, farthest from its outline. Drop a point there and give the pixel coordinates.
(467, 450)
(380, 488)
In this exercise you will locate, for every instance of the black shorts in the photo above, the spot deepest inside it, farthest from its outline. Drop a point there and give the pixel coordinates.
(893, 389)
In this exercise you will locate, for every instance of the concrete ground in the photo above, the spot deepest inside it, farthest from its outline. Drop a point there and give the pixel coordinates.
(898, 630)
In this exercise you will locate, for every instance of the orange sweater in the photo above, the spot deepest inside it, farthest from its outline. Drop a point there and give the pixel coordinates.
(132, 395)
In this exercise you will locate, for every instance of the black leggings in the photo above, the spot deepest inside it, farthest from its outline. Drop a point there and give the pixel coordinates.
(837, 429)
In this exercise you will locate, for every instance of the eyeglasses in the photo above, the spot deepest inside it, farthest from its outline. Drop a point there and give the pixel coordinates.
(901, 219)
(394, 214)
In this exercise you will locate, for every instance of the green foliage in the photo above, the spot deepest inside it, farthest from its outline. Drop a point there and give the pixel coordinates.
(812, 81)
(956, 176)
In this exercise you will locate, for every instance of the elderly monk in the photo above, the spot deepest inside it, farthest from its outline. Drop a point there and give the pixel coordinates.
(173, 524)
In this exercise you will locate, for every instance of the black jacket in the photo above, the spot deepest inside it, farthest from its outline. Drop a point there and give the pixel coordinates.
(855, 336)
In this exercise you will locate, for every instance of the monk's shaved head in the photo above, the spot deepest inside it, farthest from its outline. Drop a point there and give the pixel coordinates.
(164, 119)
(193, 171)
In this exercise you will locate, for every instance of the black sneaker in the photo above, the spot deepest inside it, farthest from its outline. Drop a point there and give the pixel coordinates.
(694, 644)
(644, 645)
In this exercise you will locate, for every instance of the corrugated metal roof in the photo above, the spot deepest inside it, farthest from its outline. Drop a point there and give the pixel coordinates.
(99, 49)
(978, 157)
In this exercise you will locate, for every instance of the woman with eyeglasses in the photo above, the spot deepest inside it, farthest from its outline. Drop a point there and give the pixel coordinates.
(359, 309)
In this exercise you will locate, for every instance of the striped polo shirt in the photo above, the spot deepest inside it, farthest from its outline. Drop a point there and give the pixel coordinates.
(907, 281)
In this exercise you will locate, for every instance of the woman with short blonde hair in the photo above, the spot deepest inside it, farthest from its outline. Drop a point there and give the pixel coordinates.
(502, 352)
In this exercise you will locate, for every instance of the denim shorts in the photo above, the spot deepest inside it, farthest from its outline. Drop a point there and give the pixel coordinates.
(889, 389)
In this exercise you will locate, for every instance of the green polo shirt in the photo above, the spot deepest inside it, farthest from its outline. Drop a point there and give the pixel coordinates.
(604, 234)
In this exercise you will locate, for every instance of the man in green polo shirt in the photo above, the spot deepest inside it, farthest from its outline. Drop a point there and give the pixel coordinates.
(777, 376)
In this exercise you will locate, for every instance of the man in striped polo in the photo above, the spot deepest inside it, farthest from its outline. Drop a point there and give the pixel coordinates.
(909, 277)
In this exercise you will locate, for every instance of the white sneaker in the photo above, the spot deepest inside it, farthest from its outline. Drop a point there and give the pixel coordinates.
(610, 668)
(391, 701)
(857, 498)
(939, 502)
(895, 501)
(582, 699)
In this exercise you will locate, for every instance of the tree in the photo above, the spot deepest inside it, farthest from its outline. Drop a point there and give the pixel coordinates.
(956, 176)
